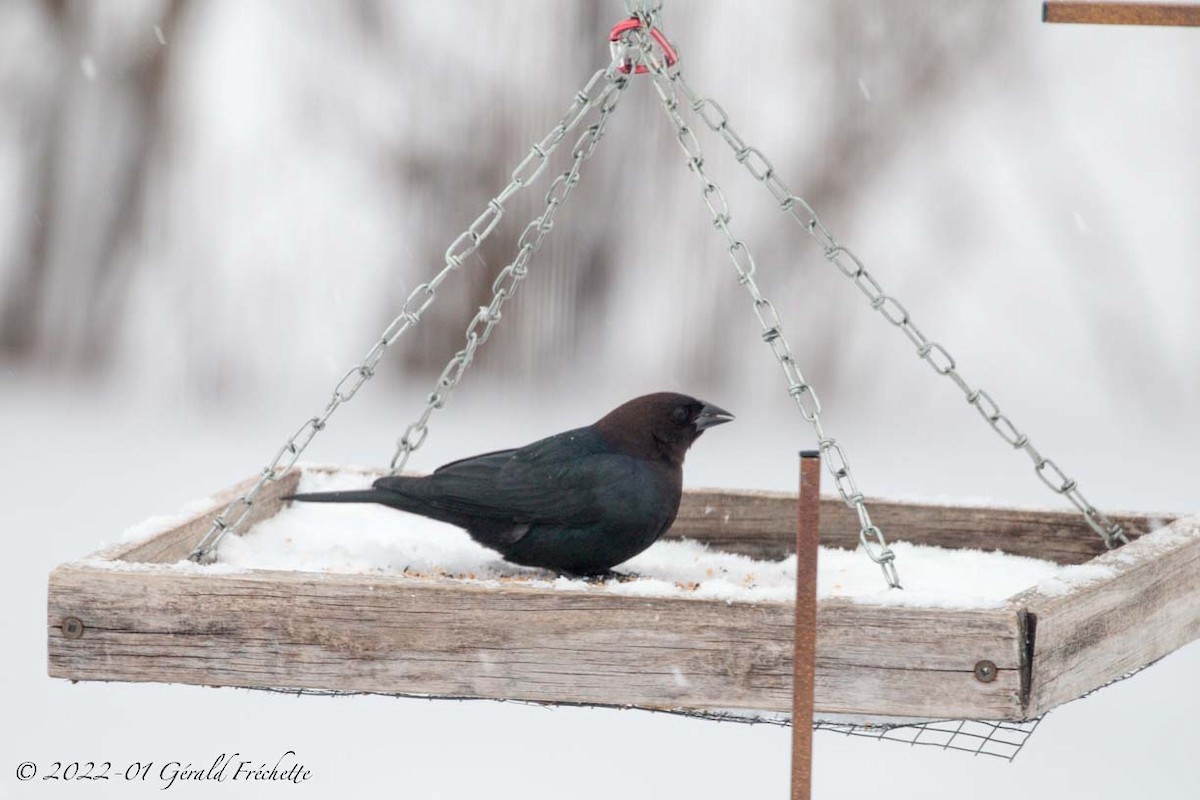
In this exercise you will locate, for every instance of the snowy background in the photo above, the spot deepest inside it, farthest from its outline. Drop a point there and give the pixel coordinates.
(209, 209)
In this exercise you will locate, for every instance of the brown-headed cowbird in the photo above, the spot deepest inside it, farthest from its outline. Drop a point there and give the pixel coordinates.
(578, 502)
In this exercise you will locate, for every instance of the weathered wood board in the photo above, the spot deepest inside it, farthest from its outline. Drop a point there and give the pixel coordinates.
(130, 613)
(429, 636)
(761, 525)
(1146, 606)
(1122, 12)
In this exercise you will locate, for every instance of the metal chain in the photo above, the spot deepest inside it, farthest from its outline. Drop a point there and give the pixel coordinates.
(645, 10)
(802, 392)
(938, 358)
(509, 279)
(526, 172)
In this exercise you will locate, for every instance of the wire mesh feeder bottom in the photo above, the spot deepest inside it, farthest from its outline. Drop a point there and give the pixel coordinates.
(978, 737)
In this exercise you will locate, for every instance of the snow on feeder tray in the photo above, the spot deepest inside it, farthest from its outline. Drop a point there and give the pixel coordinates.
(139, 611)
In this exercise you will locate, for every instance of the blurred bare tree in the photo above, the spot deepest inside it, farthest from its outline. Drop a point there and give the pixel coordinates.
(83, 142)
(183, 181)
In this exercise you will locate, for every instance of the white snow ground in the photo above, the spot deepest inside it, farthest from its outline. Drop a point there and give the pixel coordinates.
(84, 467)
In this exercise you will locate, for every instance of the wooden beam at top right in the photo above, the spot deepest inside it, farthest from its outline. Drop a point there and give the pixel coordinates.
(1121, 13)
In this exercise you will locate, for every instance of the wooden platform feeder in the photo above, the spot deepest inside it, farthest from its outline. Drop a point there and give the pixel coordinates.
(139, 612)
(133, 613)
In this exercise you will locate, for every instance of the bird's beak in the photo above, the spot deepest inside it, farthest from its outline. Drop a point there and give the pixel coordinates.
(711, 415)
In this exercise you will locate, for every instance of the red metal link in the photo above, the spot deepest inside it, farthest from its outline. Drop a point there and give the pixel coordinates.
(632, 24)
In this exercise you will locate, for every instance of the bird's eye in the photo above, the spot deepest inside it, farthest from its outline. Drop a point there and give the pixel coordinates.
(680, 414)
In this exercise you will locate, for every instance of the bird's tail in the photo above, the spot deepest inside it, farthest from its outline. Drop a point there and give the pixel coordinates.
(357, 496)
(401, 493)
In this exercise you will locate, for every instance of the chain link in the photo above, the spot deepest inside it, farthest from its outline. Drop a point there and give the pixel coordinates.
(593, 93)
(506, 283)
(645, 10)
(802, 392)
(934, 354)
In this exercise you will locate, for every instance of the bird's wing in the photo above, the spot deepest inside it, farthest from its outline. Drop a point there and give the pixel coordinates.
(485, 461)
(557, 480)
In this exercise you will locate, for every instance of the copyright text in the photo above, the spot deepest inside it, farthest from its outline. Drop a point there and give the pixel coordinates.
(224, 768)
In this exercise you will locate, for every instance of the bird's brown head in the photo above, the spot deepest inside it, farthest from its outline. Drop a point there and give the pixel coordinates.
(660, 426)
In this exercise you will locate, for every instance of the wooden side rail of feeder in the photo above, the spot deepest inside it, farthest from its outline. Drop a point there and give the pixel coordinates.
(132, 613)
(1121, 12)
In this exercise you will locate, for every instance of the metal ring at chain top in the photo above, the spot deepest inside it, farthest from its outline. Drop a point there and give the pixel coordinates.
(802, 392)
(234, 515)
(934, 354)
(509, 279)
(631, 24)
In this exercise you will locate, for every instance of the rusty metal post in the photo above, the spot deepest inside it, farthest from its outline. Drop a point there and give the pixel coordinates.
(808, 518)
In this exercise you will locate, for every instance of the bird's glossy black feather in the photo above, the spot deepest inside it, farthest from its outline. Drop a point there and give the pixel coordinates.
(579, 502)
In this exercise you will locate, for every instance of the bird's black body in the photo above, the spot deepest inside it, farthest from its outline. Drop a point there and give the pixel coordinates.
(579, 502)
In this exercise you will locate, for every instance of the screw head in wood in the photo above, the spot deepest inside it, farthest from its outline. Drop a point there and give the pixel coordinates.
(72, 627)
(985, 671)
